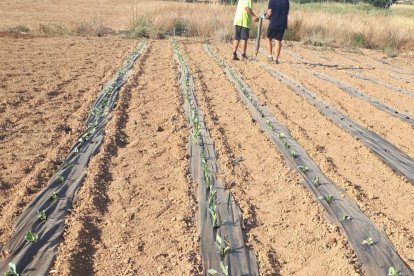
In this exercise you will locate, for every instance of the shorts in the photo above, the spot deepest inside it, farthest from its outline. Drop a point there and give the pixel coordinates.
(275, 34)
(241, 33)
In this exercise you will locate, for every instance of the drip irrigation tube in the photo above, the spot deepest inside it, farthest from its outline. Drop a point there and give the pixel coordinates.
(220, 219)
(45, 215)
(374, 250)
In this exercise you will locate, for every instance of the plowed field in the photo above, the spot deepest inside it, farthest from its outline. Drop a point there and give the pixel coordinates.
(137, 211)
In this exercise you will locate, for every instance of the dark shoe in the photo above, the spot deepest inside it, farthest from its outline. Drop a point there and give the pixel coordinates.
(276, 61)
(244, 57)
(235, 57)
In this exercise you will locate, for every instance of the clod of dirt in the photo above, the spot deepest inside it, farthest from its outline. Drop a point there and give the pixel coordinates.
(160, 129)
(67, 129)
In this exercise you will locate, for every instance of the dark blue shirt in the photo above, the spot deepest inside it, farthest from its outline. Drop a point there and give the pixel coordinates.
(279, 18)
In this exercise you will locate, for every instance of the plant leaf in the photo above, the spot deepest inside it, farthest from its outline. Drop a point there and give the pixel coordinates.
(212, 271)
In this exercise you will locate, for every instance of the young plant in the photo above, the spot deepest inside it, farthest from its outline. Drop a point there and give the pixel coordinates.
(328, 198)
(303, 169)
(53, 196)
(281, 135)
(42, 215)
(31, 236)
(287, 145)
(392, 271)
(222, 248)
(293, 154)
(213, 212)
(345, 217)
(224, 268)
(316, 181)
(369, 241)
(61, 179)
(11, 271)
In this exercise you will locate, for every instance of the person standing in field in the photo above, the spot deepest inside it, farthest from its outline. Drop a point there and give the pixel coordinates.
(242, 23)
(277, 12)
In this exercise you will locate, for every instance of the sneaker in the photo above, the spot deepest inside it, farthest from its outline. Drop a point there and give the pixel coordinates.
(244, 57)
(235, 57)
(276, 61)
(270, 59)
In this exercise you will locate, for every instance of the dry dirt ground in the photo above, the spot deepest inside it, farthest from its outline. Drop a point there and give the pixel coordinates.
(135, 213)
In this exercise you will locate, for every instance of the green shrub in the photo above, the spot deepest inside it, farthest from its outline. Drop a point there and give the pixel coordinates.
(141, 27)
(391, 47)
(358, 40)
(53, 29)
(18, 29)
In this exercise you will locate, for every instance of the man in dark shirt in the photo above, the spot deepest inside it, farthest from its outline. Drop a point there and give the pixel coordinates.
(277, 12)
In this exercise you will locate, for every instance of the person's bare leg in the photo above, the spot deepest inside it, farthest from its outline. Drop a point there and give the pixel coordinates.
(277, 50)
(269, 47)
(244, 47)
(235, 47)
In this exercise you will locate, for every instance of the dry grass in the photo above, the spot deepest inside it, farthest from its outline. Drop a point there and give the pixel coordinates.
(333, 24)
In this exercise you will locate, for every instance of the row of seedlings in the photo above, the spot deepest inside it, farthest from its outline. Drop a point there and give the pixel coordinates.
(391, 155)
(38, 230)
(358, 76)
(375, 252)
(358, 94)
(220, 220)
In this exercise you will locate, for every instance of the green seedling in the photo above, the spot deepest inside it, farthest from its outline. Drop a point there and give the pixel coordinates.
(61, 179)
(287, 145)
(53, 196)
(67, 164)
(208, 183)
(303, 169)
(392, 271)
(42, 215)
(316, 181)
(281, 135)
(345, 217)
(293, 154)
(369, 241)
(213, 212)
(224, 268)
(212, 197)
(31, 237)
(328, 198)
(222, 248)
(11, 271)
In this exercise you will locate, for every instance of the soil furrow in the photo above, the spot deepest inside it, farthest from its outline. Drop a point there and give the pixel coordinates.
(335, 150)
(279, 213)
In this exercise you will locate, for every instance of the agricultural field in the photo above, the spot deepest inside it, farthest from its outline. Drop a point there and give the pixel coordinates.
(160, 155)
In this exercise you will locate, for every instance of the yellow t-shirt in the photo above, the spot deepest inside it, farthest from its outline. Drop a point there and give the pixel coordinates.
(242, 18)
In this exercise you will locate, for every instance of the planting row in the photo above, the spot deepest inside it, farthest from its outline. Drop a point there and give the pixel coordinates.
(220, 220)
(38, 231)
(367, 242)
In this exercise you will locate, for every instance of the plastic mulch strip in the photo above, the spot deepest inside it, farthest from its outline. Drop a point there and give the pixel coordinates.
(220, 219)
(375, 252)
(362, 96)
(359, 76)
(39, 229)
(387, 152)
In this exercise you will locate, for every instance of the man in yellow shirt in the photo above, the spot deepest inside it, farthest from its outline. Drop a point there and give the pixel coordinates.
(242, 23)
